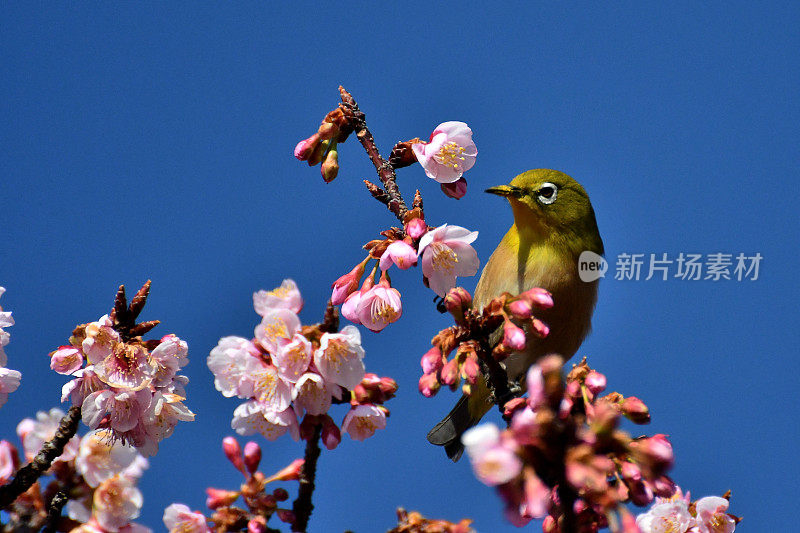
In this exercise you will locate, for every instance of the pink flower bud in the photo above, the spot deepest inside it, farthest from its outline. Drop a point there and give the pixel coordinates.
(664, 487)
(470, 370)
(233, 452)
(220, 498)
(520, 309)
(550, 525)
(456, 189)
(252, 456)
(450, 372)
(286, 516)
(305, 147)
(66, 360)
(513, 336)
(288, 473)
(328, 130)
(630, 472)
(538, 297)
(345, 285)
(540, 328)
(331, 435)
(513, 405)
(388, 386)
(330, 167)
(429, 385)
(280, 494)
(416, 228)
(595, 382)
(398, 253)
(635, 410)
(432, 361)
(350, 307)
(257, 525)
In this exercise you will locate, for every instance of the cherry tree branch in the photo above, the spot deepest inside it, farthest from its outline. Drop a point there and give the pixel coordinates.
(303, 507)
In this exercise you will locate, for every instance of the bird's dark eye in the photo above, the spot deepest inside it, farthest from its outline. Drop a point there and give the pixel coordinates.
(547, 193)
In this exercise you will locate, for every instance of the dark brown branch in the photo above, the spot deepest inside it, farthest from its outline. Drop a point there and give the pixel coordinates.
(28, 474)
(385, 170)
(54, 512)
(330, 322)
(303, 507)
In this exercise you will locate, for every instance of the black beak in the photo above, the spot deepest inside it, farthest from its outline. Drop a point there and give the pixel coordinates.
(506, 190)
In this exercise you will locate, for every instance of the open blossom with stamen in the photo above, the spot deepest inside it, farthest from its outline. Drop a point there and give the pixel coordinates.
(251, 417)
(9, 379)
(312, 394)
(449, 154)
(711, 515)
(116, 502)
(169, 356)
(164, 413)
(287, 296)
(268, 387)
(362, 421)
(34, 433)
(100, 457)
(293, 357)
(128, 366)
(178, 518)
(665, 517)
(99, 339)
(380, 306)
(124, 409)
(228, 362)
(277, 324)
(340, 357)
(66, 360)
(446, 254)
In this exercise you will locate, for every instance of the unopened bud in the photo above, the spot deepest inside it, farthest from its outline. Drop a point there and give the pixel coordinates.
(347, 284)
(328, 130)
(388, 387)
(520, 309)
(635, 410)
(654, 453)
(252, 456)
(280, 494)
(330, 167)
(450, 372)
(416, 228)
(513, 336)
(540, 328)
(641, 494)
(512, 405)
(664, 487)
(306, 147)
(220, 498)
(286, 516)
(549, 525)
(630, 472)
(628, 521)
(604, 419)
(457, 300)
(538, 297)
(595, 382)
(233, 452)
(331, 435)
(429, 385)
(257, 525)
(456, 190)
(470, 370)
(432, 361)
(319, 152)
(288, 473)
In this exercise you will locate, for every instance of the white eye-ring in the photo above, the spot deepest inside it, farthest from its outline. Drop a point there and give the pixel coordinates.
(547, 193)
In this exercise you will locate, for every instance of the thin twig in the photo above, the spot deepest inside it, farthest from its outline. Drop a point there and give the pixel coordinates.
(28, 474)
(303, 507)
(54, 511)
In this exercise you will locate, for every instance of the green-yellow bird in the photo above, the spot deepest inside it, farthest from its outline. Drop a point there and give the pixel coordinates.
(553, 224)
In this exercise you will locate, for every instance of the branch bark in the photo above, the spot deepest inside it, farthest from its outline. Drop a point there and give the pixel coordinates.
(303, 507)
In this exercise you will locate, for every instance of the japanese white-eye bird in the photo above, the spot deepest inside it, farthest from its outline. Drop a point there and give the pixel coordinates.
(553, 224)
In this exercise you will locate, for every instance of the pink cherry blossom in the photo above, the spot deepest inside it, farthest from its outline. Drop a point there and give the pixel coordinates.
(293, 357)
(128, 366)
(268, 387)
(449, 153)
(169, 357)
(446, 254)
(66, 360)
(416, 228)
(277, 324)
(228, 362)
(124, 408)
(347, 284)
(711, 515)
(6, 320)
(664, 517)
(9, 382)
(350, 307)
(164, 413)
(100, 340)
(100, 457)
(287, 296)
(251, 417)
(85, 383)
(34, 433)
(116, 502)
(379, 306)
(398, 253)
(456, 189)
(178, 518)
(312, 394)
(340, 357)
(362, 421)
(8, 461)
(493, 462)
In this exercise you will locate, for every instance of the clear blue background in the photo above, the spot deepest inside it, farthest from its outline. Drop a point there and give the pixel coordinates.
(155, 141)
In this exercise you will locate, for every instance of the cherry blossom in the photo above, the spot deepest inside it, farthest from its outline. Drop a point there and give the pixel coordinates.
(268, 387)
(9, 379)
(446, 254)
(178, 518)
(99, 339)
(100, 457)
(251, 417)
(116, 501)
(169, 356)
(362, 421)
(340, 357)
(665, 517)
(379, 306)
(493, 462)
(292, 357)
(287, 296)
(9, 462)
(34, 433)
(228, 363)
(711, 515)
(66, 360)
(312, 394)
(398, 253)
(128, 367)
(449, 154)
(277, 324)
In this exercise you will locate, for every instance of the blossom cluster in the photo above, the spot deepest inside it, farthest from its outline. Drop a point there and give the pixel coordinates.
(9, 379)
(679, 514)
(563, 444)
(466, 339)
(288, 370)
(445, 253)
(128, 385)
(98, 473)
(259, 504)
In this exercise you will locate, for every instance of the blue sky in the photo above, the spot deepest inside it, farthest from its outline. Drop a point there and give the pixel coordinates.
(154, 141)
